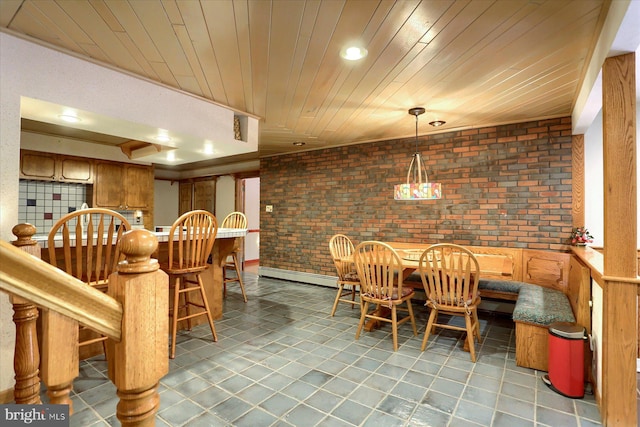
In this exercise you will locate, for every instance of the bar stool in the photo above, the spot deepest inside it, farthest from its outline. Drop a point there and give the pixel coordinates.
(234, 220)
(93, 256)
(191, 239)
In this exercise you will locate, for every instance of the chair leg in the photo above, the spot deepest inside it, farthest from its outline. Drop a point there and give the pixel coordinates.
(413, 319)
(353, 295)
(337, 300)
(206, 307)
(477, 325)
(237, 265)
(174, 317)
(363, 315)
(394, 327)
(187, 305)
(432, 317)
(470, 335)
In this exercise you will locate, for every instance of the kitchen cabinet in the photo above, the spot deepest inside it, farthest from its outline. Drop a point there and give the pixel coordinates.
(204, 195)
(55, 167)
(197, 195)
(185, 202)
(122, 186)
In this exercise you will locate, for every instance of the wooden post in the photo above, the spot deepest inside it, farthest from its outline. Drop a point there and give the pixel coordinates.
(620, 321)
(60, 363)
(141, 358)
(60, 359)
(26, 359)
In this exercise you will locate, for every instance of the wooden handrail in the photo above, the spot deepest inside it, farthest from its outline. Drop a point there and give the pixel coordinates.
(34, 280)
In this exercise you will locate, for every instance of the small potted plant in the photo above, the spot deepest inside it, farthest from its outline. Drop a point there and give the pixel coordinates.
(580, 236)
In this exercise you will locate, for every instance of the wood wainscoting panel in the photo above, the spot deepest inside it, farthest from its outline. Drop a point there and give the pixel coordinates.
(546, 268)
(532, 346)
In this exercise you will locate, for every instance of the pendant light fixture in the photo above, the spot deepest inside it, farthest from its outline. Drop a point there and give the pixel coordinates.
(417, 186)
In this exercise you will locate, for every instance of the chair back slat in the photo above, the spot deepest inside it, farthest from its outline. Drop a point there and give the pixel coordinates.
(234, 220)
(95, 254)
(380, 270)
(450, 274)
(341, 249)
(191, 240)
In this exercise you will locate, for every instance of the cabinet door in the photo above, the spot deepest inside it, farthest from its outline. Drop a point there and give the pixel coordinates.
(186, 189)
(37, 165)
(75, 169)
(109, 186)
(139, 187)
(204, 195)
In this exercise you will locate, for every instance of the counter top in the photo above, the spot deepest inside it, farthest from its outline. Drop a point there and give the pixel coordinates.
(162, 236)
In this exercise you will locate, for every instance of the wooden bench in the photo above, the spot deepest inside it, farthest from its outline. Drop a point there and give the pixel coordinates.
(538, 282)
(538, 307)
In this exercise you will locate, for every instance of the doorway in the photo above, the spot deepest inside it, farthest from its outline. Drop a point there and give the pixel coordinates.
(251, 202)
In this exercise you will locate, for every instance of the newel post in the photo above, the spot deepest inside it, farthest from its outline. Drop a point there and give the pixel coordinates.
(26, 359)
(141, 358)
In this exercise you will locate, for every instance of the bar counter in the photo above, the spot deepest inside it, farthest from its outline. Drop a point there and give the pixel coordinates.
(227, 239)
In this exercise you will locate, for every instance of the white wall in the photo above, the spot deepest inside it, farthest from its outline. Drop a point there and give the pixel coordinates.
(166, 202)
(594, 177)
(594, 181)
(225, 196)
(252, 211)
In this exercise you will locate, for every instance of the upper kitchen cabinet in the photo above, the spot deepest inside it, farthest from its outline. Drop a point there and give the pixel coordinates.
(123, 186)
(186, 197)
(199, 194)
(204, 195)
(55, 167)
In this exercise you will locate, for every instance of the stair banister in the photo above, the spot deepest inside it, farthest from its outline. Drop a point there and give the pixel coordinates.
(133, 315)
(26, 358)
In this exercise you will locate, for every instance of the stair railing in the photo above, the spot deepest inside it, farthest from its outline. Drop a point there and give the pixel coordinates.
(133, 315)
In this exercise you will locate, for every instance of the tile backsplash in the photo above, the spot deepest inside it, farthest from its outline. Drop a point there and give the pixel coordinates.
(42, 203)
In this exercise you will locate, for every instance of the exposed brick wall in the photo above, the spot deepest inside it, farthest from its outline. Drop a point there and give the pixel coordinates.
(502, 186)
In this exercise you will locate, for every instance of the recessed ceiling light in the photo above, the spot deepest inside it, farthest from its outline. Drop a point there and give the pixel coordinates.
(162, 138)
(437, 123)
(299, 143)
(69, 118)
(353, 53)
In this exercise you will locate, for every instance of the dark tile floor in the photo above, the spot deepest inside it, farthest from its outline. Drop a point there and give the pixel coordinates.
(281, 360)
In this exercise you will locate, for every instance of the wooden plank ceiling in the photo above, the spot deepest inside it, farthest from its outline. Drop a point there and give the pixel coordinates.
(470, 63)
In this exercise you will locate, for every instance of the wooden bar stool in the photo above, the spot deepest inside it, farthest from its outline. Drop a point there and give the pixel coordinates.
(191, 239)
(234, 220)
(84, 244)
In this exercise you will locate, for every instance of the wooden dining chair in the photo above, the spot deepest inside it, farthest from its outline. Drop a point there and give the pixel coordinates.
(450, 275)
(342, 248)
(191, 240)
(380, 270)
(233, 220)
(84, 244)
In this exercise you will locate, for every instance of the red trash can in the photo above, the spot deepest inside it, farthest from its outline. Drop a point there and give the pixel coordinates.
(566, 359)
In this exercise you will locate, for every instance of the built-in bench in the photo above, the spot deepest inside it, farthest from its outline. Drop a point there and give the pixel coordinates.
(538, 282)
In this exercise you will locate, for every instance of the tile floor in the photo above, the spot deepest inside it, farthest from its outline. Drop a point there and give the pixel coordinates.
(281, 360)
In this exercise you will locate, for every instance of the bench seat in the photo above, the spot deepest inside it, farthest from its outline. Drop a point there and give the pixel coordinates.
(538, 307)
(500, 289)
(542, 306)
